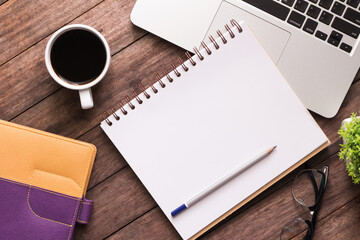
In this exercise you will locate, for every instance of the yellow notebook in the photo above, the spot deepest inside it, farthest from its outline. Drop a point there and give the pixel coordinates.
(45, 160)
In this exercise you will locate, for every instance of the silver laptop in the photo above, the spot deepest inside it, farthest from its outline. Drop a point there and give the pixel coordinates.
(313, 42)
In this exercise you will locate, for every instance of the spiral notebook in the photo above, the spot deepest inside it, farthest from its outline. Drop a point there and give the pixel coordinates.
(208, 116)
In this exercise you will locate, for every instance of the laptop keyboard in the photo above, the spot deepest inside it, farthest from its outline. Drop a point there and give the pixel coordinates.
(327, 20)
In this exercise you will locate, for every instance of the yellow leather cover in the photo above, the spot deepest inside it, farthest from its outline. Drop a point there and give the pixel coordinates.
(45, 160)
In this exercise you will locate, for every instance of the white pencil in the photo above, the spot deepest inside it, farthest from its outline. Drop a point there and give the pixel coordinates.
(222, 181)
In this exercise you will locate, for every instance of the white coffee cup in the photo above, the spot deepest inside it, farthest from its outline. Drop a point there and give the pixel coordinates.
(86, 98)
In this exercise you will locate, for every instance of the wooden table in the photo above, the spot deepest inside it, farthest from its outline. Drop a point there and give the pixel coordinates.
(123, 208)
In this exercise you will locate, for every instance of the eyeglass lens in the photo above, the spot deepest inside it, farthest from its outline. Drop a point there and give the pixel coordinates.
(294, 230)
(306, 187)
(305, 190)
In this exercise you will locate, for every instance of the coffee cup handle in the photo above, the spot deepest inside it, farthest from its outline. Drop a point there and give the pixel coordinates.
(86, 98)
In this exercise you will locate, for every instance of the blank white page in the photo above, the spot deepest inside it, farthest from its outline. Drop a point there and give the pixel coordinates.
(215, 117)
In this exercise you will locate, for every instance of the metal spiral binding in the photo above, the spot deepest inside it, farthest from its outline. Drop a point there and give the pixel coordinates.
(144, 91)
(232, 35)
(222, 36)
(167, 73)
(122, 108)
(206, 47)
(162, 84)
(107, 119)
(154, 89)
(236, 24)
(137, 97)
(182, 64)
(128, 100)
(201, 57)
(177, 73)
(187, 54)
(114, 113)
(214, 42)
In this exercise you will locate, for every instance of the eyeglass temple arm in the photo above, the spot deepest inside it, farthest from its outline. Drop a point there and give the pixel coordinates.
(316, 189)
(319, 191)
(325, 172)
(310, 231)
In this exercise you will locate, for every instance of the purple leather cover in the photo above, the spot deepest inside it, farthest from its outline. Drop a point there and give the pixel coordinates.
(28, 212)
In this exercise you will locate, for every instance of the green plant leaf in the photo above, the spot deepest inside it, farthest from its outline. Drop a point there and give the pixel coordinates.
(350, 150)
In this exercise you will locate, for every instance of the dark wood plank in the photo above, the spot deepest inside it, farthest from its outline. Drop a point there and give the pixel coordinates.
(119, 196)
(112, 19)
(118, 201)
(342, 224)
(108, 159)
(146, 228)
(24, 23)
(159, 45)
(137, 63)
(116, 226)
(25, 80)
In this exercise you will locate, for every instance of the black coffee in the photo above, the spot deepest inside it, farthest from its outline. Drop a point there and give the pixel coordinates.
(78, 56)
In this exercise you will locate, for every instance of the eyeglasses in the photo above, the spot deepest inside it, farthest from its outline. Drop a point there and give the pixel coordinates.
(307, 189)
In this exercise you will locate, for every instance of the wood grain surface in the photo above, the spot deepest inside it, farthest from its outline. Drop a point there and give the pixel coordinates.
(22, 76)
(24, 23)
(123, 208)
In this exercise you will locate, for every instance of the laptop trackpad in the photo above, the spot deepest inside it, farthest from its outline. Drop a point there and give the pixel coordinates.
(273, 38)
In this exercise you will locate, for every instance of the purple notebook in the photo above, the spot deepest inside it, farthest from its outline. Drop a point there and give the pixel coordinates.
(43, 182)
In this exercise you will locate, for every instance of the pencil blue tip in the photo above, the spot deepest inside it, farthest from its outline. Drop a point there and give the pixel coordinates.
(178, 210)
